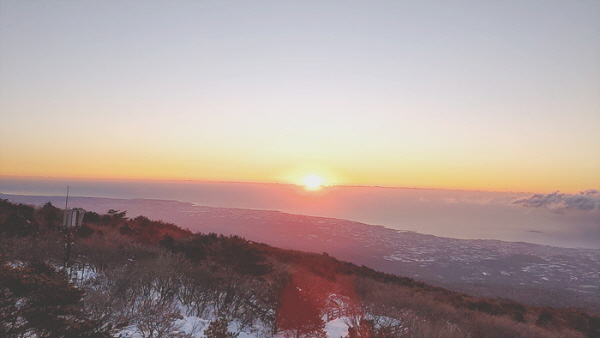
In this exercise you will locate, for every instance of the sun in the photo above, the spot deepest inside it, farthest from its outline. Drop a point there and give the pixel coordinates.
(313, 182)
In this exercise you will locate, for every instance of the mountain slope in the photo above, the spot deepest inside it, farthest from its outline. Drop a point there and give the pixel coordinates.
(536, 274)
(144, 274)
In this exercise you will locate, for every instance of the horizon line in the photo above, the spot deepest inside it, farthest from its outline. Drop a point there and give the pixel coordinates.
(263, 182)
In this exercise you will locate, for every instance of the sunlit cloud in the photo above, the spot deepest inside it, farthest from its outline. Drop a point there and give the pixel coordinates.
(588, 200)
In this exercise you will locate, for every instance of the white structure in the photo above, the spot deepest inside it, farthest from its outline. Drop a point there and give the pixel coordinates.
(73, 217)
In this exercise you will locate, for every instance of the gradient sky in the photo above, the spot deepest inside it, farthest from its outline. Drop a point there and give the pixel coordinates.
(492, 95)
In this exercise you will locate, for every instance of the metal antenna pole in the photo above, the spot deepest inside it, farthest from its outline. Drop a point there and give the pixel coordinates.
(67, 201)
(68, 253)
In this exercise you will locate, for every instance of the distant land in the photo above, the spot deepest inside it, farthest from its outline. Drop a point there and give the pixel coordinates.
(557, 219)
(535, 274)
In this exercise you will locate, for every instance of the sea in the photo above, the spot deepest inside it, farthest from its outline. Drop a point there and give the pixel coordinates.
(547, 219)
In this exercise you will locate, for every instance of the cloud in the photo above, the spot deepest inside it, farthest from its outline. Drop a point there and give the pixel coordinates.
(588, 200)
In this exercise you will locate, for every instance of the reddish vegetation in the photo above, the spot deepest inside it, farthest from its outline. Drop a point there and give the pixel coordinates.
(236, 279)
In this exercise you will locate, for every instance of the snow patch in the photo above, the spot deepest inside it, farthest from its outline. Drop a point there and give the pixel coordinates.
(336, 328)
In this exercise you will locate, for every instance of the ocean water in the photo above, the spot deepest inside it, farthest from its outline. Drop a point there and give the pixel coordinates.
(447, 213)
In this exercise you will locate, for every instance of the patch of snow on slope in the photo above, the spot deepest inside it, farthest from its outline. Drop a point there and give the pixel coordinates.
(336, 328)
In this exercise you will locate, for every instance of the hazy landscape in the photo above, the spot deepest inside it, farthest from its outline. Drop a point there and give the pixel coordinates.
(537, 274)
(299, 169)
(566, 220)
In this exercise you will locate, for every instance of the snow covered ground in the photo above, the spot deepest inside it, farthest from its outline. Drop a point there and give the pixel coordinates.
(194, 327)
(336, 328)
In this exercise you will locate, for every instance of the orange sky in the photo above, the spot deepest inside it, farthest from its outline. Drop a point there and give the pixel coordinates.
(492, 96)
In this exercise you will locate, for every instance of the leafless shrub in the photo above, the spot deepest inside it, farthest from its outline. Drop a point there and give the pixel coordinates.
(156, 319)
(194, 291)
(48, 248)
(419, 327)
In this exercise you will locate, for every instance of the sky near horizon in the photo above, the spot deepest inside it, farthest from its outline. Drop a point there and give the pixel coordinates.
(490, 95)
